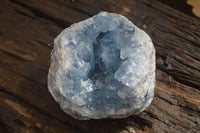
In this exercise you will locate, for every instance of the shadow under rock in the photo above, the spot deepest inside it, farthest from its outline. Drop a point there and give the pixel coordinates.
(116, 125)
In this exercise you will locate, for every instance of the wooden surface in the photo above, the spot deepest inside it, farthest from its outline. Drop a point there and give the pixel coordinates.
(27, 31)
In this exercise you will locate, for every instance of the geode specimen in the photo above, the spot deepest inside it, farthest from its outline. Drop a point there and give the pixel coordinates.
(102, 67)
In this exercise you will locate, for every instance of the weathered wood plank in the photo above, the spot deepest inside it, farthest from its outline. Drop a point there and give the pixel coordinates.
(27, 30)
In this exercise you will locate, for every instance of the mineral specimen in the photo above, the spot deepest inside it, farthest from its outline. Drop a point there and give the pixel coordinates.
(102, 67)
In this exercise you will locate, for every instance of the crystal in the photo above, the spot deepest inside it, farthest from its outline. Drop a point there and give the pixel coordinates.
(102, 67)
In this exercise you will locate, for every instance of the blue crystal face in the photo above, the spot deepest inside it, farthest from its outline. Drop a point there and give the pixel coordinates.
(102, 67)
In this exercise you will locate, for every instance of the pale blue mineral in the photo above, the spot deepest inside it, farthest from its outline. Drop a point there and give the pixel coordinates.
(102, 67)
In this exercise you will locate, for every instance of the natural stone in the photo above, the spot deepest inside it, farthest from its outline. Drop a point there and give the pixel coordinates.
(102, 67)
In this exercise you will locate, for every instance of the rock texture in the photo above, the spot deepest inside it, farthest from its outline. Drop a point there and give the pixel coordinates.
(102, 67)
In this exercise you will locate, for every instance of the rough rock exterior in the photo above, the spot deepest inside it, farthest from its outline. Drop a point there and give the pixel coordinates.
(102, 67)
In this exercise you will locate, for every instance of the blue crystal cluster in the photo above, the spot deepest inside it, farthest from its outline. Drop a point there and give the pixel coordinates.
(102, 67)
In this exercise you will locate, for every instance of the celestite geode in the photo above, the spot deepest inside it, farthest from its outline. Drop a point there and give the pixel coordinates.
(102, 67)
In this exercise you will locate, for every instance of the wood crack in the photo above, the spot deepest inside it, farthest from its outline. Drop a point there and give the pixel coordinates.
(41, 111)
(38, 13)
(176, 76)
(24, 14)
(13, 55)
(184, 38)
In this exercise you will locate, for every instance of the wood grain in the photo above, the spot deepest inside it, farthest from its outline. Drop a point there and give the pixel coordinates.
(27, 31)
